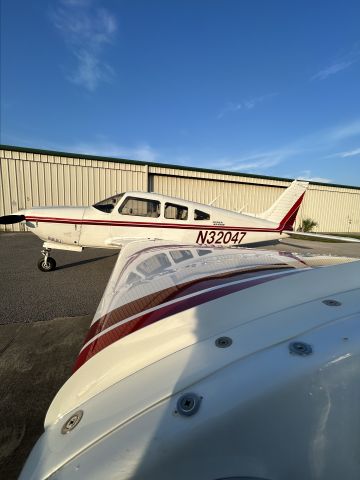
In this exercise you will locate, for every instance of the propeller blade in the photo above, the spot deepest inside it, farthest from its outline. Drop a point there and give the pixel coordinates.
(10, 219)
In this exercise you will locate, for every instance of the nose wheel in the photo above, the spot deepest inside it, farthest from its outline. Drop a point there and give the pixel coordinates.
(46, 264)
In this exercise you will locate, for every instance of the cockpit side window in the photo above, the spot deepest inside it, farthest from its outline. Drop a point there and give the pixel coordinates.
(140, 207)
(108, 204)
(176, 212)
(199, 215)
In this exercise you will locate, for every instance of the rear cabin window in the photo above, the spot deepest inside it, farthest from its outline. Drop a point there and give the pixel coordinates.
(176, 212)
(199, 215)
(140, 207)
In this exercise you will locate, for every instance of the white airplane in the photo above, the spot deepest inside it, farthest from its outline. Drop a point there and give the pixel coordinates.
(127, 217)
(212, 363)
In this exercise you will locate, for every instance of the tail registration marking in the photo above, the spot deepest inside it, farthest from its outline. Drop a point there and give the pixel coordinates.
(210, 237)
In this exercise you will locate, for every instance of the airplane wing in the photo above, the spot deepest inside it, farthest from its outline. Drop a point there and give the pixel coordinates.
(320, 235)
(120, 242)
(194, 351)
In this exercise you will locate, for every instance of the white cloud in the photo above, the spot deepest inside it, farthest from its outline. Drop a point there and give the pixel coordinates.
(248, 104)
(142, 152)
(344, 131)
(86, 32)
(307, 175)
(145, 153)
(339, 64)
(255, 162)
(332, 69)
(346, 154)
(351, 153)
(313, 145)
(76, 3)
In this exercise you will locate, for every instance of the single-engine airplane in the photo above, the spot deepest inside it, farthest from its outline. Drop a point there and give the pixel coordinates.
(131, 216)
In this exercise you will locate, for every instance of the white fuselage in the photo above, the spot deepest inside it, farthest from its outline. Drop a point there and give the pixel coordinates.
(90, 227)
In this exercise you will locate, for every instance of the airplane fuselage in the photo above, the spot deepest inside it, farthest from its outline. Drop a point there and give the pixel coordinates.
(81, 227)
(127, 217)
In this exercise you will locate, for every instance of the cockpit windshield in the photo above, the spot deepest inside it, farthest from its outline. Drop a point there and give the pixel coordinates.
(108, 204)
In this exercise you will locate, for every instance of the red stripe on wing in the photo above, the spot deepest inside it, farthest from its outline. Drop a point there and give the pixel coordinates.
(160, 313)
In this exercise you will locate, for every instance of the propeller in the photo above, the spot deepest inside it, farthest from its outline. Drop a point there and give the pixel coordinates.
(9, 219)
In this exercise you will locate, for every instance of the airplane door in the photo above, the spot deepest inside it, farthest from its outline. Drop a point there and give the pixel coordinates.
(136, 218)
(96, 229)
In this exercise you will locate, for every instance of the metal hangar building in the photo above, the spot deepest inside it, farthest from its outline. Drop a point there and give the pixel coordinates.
(32, 177)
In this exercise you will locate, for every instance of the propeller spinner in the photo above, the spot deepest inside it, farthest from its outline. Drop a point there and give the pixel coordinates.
(10, 219)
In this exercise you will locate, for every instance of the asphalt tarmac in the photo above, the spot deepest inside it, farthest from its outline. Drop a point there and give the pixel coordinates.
(76, 286)
(43, 320)
(29, 295)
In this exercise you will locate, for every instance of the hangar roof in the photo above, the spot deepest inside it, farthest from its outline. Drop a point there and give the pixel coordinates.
(154, 164)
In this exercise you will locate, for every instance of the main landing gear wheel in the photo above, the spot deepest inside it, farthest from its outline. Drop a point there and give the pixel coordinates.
(46, 265)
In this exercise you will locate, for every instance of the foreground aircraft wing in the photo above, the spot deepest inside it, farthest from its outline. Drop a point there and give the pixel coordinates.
(198, 358)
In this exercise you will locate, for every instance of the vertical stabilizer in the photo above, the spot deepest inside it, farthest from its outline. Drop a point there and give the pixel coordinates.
(283, 212)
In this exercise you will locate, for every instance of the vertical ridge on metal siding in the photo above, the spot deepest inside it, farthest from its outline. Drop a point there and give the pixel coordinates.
(5, 189)
(34, 183)
(21, 184)
(27, 183)
(73, 184)
(41, 182)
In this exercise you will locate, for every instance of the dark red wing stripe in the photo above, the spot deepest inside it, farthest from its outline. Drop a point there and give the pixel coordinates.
(162, 312)
(177, 291)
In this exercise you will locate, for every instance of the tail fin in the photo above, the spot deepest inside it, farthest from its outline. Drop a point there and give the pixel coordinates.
(283, 212)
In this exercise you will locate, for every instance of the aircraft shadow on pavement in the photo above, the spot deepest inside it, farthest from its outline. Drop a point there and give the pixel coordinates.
(82, 262)
(284, 242)
(264, 243)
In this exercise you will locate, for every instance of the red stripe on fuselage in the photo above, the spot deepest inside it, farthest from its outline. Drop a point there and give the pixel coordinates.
(151, 224)
(285, 223)
(158, 299)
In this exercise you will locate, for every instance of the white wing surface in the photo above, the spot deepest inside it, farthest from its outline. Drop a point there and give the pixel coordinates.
(262, 343)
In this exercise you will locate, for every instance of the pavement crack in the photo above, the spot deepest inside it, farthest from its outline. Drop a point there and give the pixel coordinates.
(7, 345)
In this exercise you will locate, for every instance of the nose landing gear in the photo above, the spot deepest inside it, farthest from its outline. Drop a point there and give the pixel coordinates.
(46, 264)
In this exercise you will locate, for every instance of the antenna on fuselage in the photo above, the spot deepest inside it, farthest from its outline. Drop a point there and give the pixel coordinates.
(213, 201)
(242, 208)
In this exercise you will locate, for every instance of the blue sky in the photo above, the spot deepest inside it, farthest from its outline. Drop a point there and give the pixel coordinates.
(265, 87)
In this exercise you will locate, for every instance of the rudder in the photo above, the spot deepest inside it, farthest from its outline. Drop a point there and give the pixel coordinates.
(284, 210)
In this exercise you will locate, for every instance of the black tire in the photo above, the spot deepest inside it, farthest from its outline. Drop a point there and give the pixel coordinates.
(46, 267)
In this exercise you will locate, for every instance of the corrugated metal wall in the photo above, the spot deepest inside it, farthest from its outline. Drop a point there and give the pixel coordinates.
(28, 179)
(335, 209)
(32, 179)
(227, 194)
